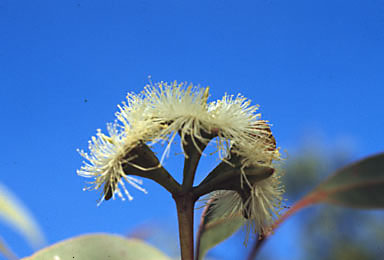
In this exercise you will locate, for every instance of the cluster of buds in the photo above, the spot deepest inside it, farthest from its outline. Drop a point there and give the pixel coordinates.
(245, 181)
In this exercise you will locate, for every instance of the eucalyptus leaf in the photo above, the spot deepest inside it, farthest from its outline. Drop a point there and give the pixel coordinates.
(359, 185)
(215, 229)
(99, 247)
(14, 213)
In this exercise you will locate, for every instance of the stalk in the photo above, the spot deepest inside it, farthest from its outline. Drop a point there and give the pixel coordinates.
(185, 208)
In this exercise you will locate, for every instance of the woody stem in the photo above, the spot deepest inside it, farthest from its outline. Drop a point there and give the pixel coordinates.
(185, 211)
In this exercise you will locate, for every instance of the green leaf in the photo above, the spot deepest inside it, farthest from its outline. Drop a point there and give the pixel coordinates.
(14, 213)
(359, 185)
(214, 229)
(99, 247)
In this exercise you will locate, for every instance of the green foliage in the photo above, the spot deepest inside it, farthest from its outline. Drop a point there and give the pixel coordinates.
(214, 230)
(359, 185)
(345, 233)
(99, 247)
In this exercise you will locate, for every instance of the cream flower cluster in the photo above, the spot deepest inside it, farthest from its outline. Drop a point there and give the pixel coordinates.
(262, 207)
(164, 110)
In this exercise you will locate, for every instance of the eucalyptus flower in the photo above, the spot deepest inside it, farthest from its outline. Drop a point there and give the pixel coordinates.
(245, 182)
(180, 108)
(259, 200)
(105, 160)
(261, 207)
(108, 153)
(239, 123)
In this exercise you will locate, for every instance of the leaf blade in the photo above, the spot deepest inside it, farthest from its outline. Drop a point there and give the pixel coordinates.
(99, 247)
(214, 230)
(358, 185)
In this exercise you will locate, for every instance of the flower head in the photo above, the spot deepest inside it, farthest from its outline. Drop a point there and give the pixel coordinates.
(234, 116)
(259, 207)
(108, 153)
(180, 108)
(240, 129)
(245, 144)
(105, 160)
(258, 197)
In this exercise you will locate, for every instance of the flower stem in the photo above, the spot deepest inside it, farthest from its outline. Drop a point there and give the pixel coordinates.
(185, 209)
(308, 200)
(191, 161)
(147, 159)
(185, 199)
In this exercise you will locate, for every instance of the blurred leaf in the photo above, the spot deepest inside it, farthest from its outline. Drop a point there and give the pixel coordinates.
(359, 185)
(6, 251)
(99, 247)
(214, 230)
(13, 212)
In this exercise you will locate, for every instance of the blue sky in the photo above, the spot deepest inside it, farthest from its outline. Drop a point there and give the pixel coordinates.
(315, 68)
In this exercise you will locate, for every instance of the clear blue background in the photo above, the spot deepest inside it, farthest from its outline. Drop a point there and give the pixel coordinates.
(313, 66)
